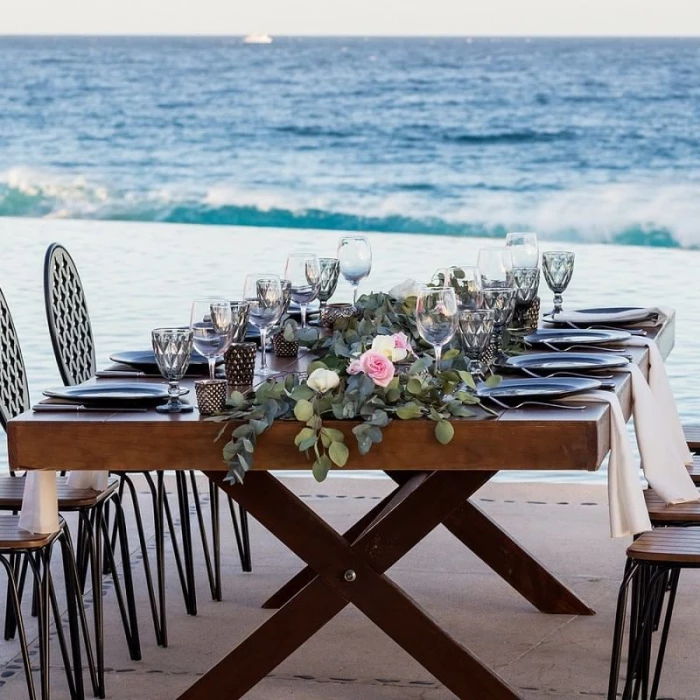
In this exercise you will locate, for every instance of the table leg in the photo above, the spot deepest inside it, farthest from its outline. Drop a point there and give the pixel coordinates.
(352, 573)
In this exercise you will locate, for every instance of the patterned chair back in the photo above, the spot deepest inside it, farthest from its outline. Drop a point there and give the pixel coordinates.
(68, 318)
(14, 391)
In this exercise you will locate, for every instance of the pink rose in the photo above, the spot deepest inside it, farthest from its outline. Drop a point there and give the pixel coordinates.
(354, 367)
(401, 342)
(378, 367)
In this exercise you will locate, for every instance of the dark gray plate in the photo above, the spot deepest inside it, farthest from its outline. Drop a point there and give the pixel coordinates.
(563, 361)
(603, 315)
(145, 360)
(545, 388)
(111, 393)
(563, 337)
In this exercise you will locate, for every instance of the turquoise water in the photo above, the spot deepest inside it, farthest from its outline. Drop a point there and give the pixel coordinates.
(139, 276)
(578, 139)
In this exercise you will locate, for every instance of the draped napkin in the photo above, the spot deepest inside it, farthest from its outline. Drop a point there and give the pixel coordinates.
(39, 512)
(657, 316)
(88, 479)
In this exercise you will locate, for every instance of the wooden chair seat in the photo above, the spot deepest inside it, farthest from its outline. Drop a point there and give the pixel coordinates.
(692, 436)
(670, 545)
(13, 539)
(69, 498)
(661, 513)
(694, 470)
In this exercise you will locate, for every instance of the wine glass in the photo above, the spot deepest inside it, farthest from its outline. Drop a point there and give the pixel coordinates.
(263, 292)
(355, 256)
(304, 272)
(558, 266)
(523, 249)
(495, 267)
(465, 280)
(330, 271)
(436, 317)
(501, 301)
(211, 322)
(172, 348)
(476, 330)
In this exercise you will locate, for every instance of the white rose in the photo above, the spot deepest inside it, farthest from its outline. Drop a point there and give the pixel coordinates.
(385, 345)
(408, 288)
(322, 380)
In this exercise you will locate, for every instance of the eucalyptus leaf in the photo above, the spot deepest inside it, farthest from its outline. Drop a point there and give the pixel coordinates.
(321, 467)
(303, 435)
(236, 399)
(303, 410)
(244, 430)
(444, 431)
(409, 411)
(339, 453)
(493, 380)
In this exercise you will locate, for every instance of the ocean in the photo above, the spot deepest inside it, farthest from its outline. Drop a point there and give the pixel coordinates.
(172, 166)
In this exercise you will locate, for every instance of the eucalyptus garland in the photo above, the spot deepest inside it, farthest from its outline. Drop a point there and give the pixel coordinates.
(373, 368)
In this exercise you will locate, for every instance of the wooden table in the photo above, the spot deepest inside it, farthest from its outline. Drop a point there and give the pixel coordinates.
(434, 484)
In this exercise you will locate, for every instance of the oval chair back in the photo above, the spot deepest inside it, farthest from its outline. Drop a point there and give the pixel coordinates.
(14, 390)
(68, 317)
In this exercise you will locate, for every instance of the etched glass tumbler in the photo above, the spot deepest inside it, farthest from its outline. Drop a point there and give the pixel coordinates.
(476, 330)
(558, 266)
(172, 348)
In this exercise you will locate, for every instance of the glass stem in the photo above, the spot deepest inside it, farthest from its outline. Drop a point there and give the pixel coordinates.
(173, 393)
(355, 287)
(303, 315)
(558, 301)
(263, 345)
(212, 367)
(438, 356)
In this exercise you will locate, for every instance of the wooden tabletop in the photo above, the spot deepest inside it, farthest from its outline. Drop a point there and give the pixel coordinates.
(527, 438)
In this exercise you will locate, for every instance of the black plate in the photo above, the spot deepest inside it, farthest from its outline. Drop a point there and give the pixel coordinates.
(145, 360)
(111, 393)
(603, 315)
(541, 389)
(564, 361)
(564, 337)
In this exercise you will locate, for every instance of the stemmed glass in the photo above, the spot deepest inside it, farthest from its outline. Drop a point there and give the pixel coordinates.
(212, 325)
(263, 292)
(558, 266)
(523, 249)
(172, 348)
(476, 326)
(465, 280)
(304, 273)
(436, 317)
(501, 301)
(330, 271)
(355, 256)
(495, 267)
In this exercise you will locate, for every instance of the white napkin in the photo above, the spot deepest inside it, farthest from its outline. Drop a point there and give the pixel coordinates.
(580, 317)
(39, 512)
(658, 429)
(89, 479)
(628, 511)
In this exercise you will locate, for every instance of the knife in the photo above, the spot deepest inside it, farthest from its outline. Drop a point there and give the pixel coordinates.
(50, 407)
(123, 373)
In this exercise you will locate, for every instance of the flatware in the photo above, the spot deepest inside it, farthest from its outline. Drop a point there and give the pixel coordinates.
(104, 373)
(565, 348)
(64, 407)
(545, 404)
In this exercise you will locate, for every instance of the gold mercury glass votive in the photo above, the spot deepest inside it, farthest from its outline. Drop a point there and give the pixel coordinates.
(332, 312)
(211, 395)
(239, 362)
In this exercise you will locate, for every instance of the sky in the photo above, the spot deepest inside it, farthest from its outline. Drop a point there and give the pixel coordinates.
(353, 17)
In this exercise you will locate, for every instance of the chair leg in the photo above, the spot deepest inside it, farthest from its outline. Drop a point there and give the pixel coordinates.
(673, 589)
(215, 513)
(211, 570)
(242, 535)
(619, 629)
(14, 598)
(186, 530)
(42, 578)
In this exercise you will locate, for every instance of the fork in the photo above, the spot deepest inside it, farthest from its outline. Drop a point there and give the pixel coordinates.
(535, 403)
(579, 346)
(631, 331)
(565, 373)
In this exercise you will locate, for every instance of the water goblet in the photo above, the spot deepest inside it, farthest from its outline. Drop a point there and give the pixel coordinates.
(355, 256)
(526, 283)
(172, 348)
(523, 249)
(476, 330)
(211, 322)
(330, 271)
(501, 301)
(465, 280)
(558, 266)
(495, 267)
(304, 272)
(263, 292)
(239, 318)
(286, 295)
(436, 317)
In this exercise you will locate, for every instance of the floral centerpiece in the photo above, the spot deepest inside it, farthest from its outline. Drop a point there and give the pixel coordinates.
(372, 368)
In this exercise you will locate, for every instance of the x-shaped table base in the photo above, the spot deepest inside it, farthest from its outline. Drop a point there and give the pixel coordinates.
(353, 570)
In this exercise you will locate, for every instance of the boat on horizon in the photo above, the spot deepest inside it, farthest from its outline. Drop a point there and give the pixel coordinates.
(257, 39)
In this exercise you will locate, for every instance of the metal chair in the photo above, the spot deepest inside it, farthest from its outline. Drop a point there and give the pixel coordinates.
(72, 339)
(88, 504)
(654, 562)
